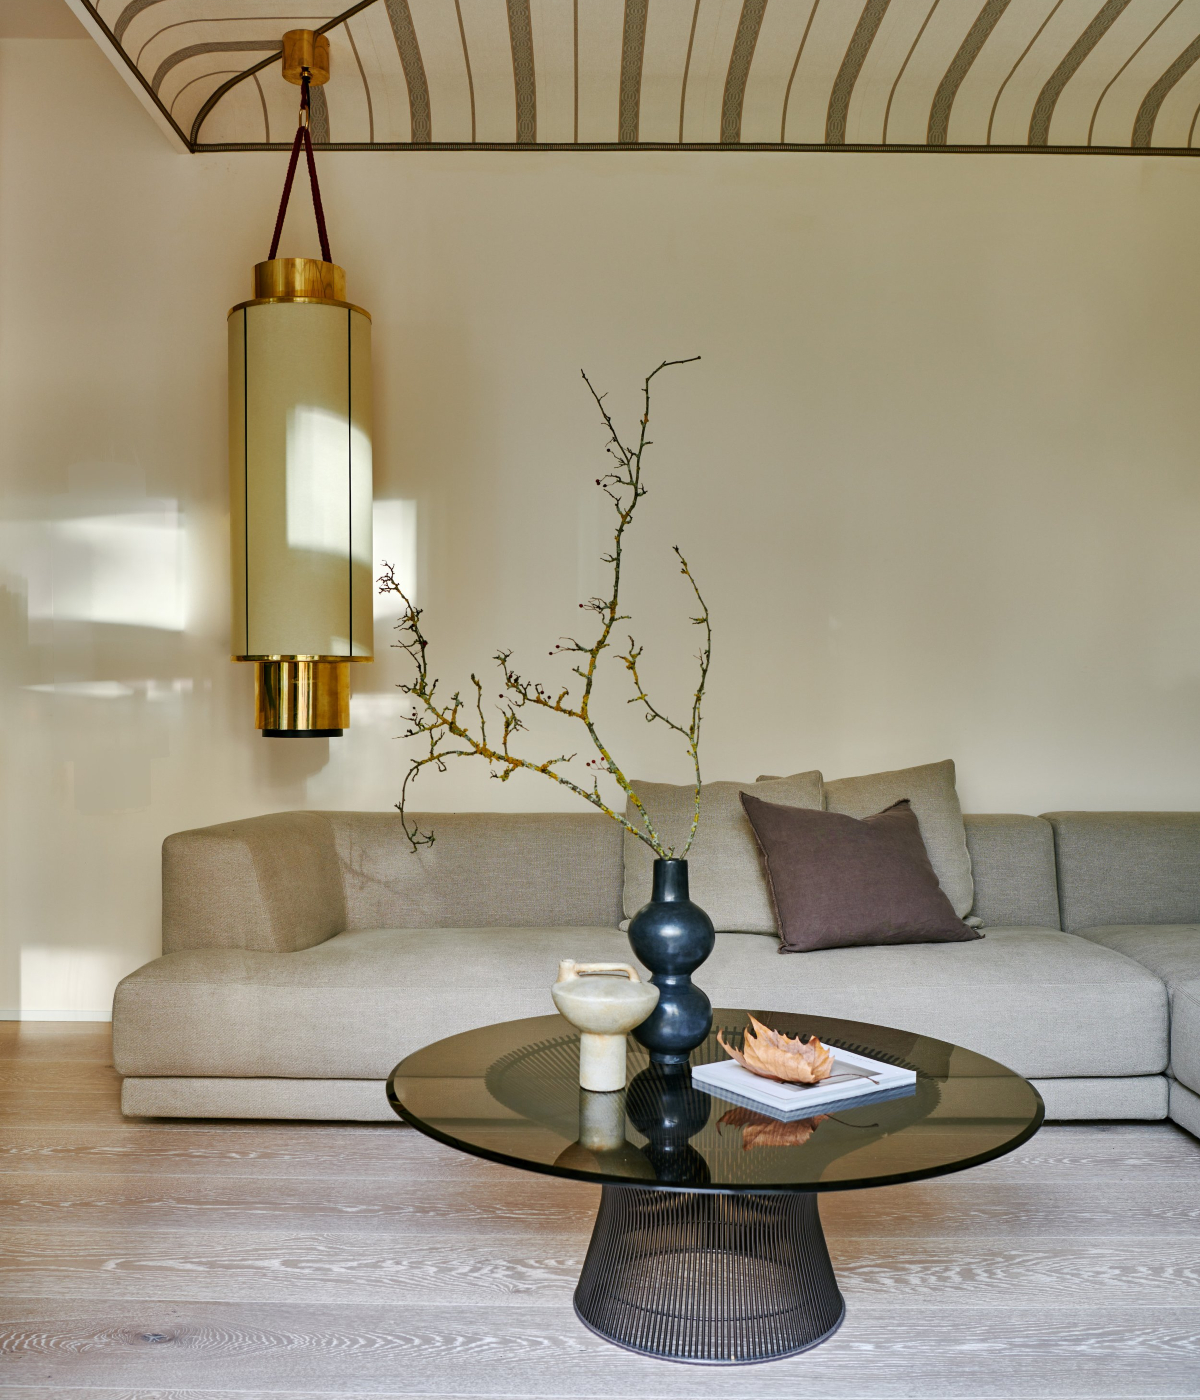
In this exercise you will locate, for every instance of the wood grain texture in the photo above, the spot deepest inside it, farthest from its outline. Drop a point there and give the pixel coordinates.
(146, 1260)
(57, 1041)
(503, 1351)
(485, 1267)
(108, 1200)
(38, 1392)
(954, 1207)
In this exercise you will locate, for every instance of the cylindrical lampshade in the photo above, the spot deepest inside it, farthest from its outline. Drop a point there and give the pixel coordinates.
(300, 490)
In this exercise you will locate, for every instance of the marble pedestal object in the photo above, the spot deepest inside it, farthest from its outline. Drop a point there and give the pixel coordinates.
(603, 1001)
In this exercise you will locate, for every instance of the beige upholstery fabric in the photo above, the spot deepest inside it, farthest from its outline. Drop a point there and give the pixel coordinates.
(348, 1100)
(1184, 1108)
(348, 1009)
(726, 876)
(930, 788)
(484, 869)
(1185, 1032)
(1172, 952)
(1041, 1001)
(1142, 1097)
(1127, 867)
(1012, 863)
(269, 883)
(365, 1100)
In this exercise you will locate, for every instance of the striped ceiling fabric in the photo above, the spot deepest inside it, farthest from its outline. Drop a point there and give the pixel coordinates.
(1065, 75)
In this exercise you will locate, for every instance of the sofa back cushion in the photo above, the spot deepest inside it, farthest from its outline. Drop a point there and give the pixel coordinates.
(931, 792)
(726, 874)
(1012, 861)
(1127, 867)
(484, 869)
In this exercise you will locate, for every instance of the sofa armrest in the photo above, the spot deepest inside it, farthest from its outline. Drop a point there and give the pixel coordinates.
(269, 884)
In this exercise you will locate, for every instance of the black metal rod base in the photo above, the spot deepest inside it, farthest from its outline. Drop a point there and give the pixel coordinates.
(707, 1277)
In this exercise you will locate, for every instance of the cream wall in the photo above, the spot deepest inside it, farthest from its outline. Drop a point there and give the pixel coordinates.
(937, 473)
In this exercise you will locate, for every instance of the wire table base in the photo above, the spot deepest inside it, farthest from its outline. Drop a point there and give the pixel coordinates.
(709, 1277)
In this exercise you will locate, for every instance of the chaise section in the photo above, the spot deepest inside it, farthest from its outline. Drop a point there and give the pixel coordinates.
(1172, 953)
(1130, 881)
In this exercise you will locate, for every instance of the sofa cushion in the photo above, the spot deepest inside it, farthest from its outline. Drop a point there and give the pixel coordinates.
(838, 882)
(930, 788)
(1041, 1001)
(1012, 867)
(1127, 867)
(727, 879)
(513, 869)
(1185, 1033)
(1172, 952)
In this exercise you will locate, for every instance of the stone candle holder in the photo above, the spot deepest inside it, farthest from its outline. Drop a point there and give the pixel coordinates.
(603, 1001)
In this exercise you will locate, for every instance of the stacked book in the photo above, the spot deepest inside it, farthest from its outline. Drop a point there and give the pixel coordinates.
(856, 1080)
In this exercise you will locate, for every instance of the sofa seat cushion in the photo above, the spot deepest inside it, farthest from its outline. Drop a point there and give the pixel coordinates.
(1044, 1002)
(350, 1008)
(1172, 952)
(1038, 1000)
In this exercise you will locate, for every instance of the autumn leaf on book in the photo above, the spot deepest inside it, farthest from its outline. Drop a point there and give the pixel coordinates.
(787, 1059)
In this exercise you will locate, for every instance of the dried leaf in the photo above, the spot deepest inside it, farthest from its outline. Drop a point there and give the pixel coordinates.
(787, 1059)
(758, 1130)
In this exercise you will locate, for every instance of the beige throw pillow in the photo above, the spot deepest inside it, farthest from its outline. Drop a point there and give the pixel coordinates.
(725, 871)
(934, 799)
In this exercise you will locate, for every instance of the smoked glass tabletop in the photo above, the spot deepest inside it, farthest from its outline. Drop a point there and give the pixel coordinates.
(510, 1093)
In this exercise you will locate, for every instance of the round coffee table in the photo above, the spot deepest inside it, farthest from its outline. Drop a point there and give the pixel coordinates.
(707, 1246)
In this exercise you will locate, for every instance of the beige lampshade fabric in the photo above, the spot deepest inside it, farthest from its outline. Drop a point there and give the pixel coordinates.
(300, 479)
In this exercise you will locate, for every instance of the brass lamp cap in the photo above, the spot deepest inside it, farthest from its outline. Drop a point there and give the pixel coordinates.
(300, 277)
(304, 49)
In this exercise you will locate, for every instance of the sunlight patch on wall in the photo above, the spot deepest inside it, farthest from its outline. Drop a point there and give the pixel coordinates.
(72, 980)
(123, 568)
(152, 690)
(395, 525)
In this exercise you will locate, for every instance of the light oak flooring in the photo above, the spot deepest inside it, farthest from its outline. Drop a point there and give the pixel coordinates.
(161, 1259)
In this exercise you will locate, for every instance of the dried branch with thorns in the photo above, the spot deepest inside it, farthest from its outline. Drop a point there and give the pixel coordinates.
(459, 727)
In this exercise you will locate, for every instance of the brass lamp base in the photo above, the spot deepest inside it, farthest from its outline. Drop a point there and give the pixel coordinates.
(301, 699)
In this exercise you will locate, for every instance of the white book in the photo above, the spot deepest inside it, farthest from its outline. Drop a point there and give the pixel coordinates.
(855, 1079)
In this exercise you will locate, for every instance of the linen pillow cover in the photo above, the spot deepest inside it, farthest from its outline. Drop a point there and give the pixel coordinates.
(841, 882)
(930, 788)
(725, 870)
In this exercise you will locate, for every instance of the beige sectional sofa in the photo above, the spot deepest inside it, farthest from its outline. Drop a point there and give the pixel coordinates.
(305, 953)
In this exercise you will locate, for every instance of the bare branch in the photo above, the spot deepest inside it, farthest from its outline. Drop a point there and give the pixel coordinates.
(449, 732)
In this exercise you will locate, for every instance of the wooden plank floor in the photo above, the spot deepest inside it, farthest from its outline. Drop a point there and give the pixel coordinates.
(208, 1261)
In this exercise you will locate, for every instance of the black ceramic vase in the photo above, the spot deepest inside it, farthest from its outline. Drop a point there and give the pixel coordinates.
(672, 937)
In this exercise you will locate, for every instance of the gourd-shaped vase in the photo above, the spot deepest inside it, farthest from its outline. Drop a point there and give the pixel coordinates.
(604, 1002)
(672, 937)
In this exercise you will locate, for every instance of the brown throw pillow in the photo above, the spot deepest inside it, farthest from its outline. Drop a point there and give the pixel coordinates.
(841, 882)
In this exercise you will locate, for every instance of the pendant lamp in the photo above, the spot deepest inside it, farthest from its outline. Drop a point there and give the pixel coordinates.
(300, 466)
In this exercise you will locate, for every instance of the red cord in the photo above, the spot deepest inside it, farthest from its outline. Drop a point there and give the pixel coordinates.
(302, 134)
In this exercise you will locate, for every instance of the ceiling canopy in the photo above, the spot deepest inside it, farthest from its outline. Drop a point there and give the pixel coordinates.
(1024, 75)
